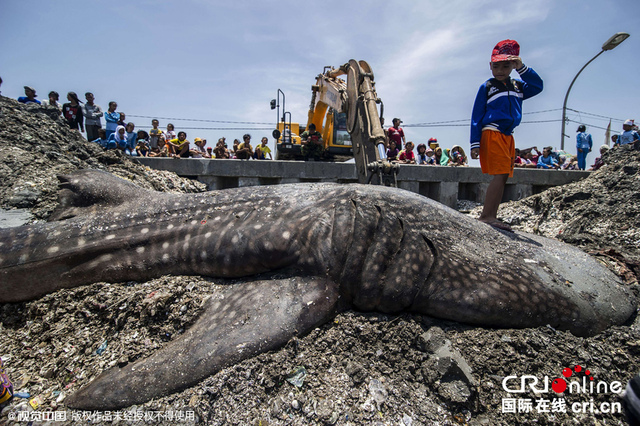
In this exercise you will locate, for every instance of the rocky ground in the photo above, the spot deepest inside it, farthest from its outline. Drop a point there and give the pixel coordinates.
(359, 369)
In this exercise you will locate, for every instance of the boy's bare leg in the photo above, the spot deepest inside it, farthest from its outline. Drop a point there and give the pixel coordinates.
(493, 198)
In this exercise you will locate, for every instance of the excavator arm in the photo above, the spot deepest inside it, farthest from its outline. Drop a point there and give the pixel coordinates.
(359, 101)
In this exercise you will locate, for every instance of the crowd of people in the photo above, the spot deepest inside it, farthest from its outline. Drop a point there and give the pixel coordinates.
(122, 135)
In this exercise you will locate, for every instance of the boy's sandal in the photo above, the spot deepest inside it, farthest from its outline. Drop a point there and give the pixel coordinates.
(498, 224)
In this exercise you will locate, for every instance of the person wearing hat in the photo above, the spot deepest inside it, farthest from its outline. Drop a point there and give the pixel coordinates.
(628, 135)
(396, 133)
(30, 96)
(583, 146)
(199, 151)
(497, 111)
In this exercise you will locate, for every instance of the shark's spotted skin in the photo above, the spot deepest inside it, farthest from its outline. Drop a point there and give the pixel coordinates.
(307, 251)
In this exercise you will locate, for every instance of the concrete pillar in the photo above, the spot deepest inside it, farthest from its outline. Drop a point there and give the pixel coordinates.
(248, 181)
(412, 186)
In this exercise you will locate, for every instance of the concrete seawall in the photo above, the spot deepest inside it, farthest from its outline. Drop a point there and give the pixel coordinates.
(443, 184)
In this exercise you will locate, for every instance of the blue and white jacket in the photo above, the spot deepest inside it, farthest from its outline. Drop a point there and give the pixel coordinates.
(499, 106)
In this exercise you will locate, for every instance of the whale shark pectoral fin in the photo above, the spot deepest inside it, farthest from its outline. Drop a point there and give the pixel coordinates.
(84, 189)
(248, 319)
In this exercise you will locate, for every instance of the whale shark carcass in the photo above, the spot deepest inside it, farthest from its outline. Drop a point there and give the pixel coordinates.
(306, 252)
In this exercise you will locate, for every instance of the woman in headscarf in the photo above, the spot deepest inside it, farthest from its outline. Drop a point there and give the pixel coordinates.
(118, 139)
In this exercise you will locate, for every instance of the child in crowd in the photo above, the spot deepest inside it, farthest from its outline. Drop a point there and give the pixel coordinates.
(142, 148)
(170, 133)
(570, 163)
(199, 151)
(54, 97)
(111, 118)
(221, 151)
(263, 150)
(431, 157)
(457, 156)
(161, 149)
(244, 151)
(599, 162)
(179, 147)
(72, 112)
(421, 158)
(628, 135)
(546, 161)
(392, 152)
(584, 144)
(236, 143)
(121, 119)
(155, 133)
(441, 157)
(102, 138)
(497, 111)
(142, 144)
(119, 137)
(407, 156)
(132, 138)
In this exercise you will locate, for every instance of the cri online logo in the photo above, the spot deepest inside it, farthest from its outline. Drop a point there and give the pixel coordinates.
(578, 384)
(559, 385)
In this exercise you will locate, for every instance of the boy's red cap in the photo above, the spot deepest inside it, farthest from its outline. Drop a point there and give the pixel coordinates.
(504, 49)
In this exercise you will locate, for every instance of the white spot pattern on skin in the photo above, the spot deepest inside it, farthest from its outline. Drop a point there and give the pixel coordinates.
(140, 250)
(24, 258)
(170, 226)
(207, 235)
(193, 222)
(110, 237)
(81, 242)
(144, 230)
(286, 235)
(53, 249)
(165, 245)
(258, 226)
(165, 257)
(234, 240)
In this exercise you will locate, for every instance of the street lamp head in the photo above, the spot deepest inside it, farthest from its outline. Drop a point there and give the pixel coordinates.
(614, 41)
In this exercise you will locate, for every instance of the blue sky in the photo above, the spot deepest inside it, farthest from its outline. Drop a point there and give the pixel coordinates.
(224, 61)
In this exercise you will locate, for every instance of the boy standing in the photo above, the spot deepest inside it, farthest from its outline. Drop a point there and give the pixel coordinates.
(92, 115)
(154, 133)
(497, 111)
(111, 118)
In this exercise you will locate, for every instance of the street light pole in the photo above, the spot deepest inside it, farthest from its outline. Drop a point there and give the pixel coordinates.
(610, 44)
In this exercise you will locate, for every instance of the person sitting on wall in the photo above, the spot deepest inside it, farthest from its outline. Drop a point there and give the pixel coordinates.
(457, 156)
(546, 161)
(221, 151)
(244, 151)
(161, 149)
(392, 151)
(406, 155)
(312, 143)
(179, 147)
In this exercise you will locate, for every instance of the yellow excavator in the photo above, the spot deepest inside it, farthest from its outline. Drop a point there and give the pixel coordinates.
(346, 114)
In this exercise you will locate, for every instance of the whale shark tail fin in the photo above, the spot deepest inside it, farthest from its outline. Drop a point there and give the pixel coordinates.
(247, 319)
(85, 191)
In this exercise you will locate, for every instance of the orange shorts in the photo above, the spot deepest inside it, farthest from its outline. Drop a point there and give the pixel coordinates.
(497, 153)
